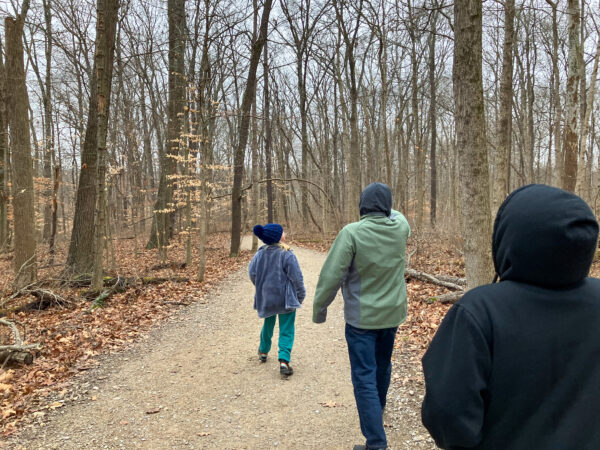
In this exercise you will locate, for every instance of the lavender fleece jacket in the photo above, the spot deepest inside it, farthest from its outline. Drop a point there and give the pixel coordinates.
(276, 274)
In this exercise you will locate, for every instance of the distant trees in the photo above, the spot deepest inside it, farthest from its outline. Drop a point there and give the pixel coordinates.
(339, 95)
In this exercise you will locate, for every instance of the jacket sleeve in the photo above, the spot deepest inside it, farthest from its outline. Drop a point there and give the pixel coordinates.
(332, 274)
(456, 367)
(397, 215)
(293, 272)
(252, 269)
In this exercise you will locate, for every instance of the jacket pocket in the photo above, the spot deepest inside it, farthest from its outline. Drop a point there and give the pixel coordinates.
(291, 297)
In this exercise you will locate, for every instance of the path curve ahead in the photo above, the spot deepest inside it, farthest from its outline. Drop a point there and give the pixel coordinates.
(199, 375)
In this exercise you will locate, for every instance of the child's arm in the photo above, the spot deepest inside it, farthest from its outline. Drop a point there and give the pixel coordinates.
(252, 269)
(294, 273)
(332, 274)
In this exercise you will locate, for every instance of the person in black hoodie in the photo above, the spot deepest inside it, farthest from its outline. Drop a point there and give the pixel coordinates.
(516, 364)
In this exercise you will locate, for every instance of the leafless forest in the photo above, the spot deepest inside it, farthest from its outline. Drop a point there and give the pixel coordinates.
(149, 119)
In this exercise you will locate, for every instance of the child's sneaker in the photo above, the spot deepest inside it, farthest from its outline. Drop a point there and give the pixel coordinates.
(284, 368)
(262, 357)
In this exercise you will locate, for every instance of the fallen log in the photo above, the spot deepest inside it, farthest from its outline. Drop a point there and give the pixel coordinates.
(170, 265)
(451, 279)
(17, 352)
(15, 356)
(434, 279)
(125, 282)
(450, 297)
(120, 284)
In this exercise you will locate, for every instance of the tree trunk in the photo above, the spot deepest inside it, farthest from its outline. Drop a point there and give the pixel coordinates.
(255, 177)
(54, 213)
(470, 131)
(432, 117)
(268, 136)
(81, 249)
(3, 157)
(586, 121)
(163, 208)
(25, 265)
(244, 124)
(501, 184)
(555, 99)
(105, 49)
(571, 130)
(48, 128)
(416, 132)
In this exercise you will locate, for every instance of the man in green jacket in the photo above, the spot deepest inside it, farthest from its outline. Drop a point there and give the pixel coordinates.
(367, 261)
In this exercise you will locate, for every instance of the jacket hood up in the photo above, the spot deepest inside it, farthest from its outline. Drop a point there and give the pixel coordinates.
(544, 236)
(376, 198)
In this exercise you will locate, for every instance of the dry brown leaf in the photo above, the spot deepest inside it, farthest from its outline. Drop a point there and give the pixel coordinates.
(6, 376)
(330, 404)
(6, 413)
(153, 411)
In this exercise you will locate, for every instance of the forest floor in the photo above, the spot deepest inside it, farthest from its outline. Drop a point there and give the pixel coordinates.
(175, 366)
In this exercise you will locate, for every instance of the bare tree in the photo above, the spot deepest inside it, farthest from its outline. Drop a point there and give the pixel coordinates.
(571, 130)
(470, 132)
(162, 227)
(244, 124)
(4, 200)
(501, 178)
(104, 57)
(18, 104)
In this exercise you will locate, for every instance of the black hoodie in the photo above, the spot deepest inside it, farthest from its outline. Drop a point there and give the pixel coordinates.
(516, 365)
(376, 199)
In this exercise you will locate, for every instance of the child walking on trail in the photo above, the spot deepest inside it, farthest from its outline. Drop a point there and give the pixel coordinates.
(276, 274)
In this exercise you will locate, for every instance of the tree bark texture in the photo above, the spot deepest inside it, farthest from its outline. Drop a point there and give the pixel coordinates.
(106, 27)
(3, 157)
(433, 125)
(571, 130)
(501, 188)
(25, 265)
(470, 131)
(48, 128)
(581, 170)
(81, 249)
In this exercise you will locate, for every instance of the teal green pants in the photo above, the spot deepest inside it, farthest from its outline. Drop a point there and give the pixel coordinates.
(287, 329)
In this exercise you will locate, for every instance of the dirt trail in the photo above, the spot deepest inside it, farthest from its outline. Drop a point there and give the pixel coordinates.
(199, 376)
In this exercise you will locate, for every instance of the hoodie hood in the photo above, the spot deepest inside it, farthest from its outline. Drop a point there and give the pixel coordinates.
(544, 236)
(376, 199)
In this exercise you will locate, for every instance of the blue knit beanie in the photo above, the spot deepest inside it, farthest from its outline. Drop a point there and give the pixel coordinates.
(270, 233)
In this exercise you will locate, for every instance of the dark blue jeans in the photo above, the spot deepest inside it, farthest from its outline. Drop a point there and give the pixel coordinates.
(371, 366)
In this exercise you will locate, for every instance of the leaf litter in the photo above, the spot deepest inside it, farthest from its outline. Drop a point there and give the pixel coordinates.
(74, 336)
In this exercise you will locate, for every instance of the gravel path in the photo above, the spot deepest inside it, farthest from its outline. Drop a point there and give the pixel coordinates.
(195, 382)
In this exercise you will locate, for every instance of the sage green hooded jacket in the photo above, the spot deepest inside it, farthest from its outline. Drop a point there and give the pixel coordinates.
(367, 261)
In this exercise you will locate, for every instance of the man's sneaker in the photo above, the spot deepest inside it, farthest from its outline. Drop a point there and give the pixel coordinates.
(284, 368)
(262, 357)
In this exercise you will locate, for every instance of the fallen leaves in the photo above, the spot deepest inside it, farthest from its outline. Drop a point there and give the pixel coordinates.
(330, 404)
(154, 411)
(74, 336)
